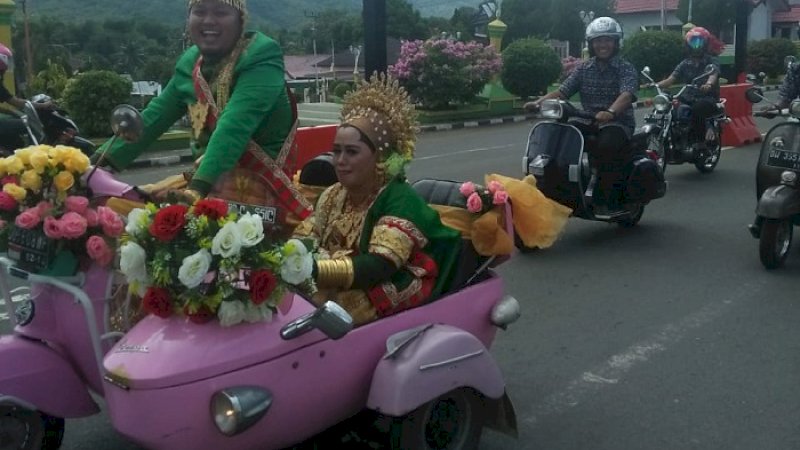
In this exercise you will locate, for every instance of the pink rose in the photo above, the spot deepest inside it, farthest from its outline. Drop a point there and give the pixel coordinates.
(44, 208)
(92, 219)
(52, 227)
(99, 251)
(7, 202)
(500, 198)
(110, 221)
(28, 219)
(9, 179)
(73, 225)
(474, 203)
(495, 186)
(467, 188)
(76, 203)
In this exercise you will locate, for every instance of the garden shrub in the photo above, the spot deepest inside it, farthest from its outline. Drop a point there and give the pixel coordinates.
(662, 51)
(529, 67)
(767, 56)
(342, 89)
(439, 72)
(51, 81)
(91, 96)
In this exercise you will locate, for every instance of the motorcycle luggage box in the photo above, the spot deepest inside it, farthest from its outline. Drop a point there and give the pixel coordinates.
(645, 181)
(554, 151)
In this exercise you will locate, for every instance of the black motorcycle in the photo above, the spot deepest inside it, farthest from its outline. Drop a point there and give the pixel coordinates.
(51, 127)
(670, 123)
(777, 186)
(567, 173)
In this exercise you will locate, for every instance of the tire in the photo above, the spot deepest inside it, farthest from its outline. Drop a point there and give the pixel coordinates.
(633, 219)
(774, 242)
(708, 163)
(25, 429)
(452, 421)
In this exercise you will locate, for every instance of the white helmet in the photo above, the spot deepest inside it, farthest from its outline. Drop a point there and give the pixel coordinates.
(604, 27)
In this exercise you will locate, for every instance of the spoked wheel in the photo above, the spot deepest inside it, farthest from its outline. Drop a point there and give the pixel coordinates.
(636, 212)
(451, 421)
(710, 157)
(23, 429)
(774, 242)
(655, 144)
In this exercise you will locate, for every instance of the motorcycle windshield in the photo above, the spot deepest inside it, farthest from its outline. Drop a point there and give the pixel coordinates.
(779, 152)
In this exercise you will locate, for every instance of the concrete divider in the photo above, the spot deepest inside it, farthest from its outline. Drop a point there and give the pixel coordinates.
(742, 130)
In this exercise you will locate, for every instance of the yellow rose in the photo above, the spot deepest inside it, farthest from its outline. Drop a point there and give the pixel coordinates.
(31, 180)
(58, 154)
(40, 161)
(24, 154)
(64, 181)
(19, 193)
(14, 165)
(76, 161)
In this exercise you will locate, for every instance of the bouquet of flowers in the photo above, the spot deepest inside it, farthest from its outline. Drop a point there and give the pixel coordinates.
(203, 261)
(481, 199)
(46, 214)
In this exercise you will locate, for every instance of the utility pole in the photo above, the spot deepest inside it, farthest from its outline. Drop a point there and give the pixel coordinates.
(28, 49)
(374, 15)
(313, 16)
(664, 14)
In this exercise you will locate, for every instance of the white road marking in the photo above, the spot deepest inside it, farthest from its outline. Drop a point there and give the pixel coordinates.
(614, 369)
(472, 150)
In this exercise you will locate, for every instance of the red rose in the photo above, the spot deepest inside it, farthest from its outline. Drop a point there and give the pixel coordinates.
(9, 179)
(262, 283)
(211, 208)
(168, 222)
(7, 202)
(202, 315)
(157, 301)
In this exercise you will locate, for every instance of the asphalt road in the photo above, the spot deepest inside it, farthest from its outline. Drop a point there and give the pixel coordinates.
(670, 335)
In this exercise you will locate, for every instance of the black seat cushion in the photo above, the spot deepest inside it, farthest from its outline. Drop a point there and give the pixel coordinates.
(319, 171)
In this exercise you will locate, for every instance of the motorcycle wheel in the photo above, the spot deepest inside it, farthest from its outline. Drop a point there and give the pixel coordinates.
(451, 421)
(708, 161)
(24, 429)
(657, 145)
(774, 242)
(633, 219)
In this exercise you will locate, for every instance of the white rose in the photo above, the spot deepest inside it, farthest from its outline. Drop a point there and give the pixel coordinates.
(257, 313)
(231, 313)
(251, 230)
(297, 266)
(194, 268)
(227, 242)
(132, 262)
(136, 219)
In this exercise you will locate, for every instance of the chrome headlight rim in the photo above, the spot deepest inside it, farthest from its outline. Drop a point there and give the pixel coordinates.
(661, 103)
(236, 409)
(552, 109)
(789, 178)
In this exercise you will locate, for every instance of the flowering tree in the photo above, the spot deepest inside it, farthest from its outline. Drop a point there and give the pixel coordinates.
(438, 72)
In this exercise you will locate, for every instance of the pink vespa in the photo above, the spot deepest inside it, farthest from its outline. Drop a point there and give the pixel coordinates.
(425, 375)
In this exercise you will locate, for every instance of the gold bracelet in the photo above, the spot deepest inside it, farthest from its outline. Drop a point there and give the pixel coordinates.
(335, 273)
(192, 194)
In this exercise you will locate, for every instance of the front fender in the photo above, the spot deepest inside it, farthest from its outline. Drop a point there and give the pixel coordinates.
(431, 361)
(778, 202)
(36, 374)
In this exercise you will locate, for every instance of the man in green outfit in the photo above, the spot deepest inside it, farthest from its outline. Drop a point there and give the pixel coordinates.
(231, 83)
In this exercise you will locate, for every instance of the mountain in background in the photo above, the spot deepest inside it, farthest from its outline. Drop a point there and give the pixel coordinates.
(280, 14)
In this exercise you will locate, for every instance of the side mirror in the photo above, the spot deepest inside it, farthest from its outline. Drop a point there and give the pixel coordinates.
(646, 70)
(789, 61)
(754, 95)
(126, 122)
(330, 318)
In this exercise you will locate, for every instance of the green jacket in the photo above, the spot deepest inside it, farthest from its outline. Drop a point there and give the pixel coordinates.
(258, 109)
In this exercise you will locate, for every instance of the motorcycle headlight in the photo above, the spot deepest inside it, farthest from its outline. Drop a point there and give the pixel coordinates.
(238, 408)
(552, 109)
(661, 103)
(794, 108)
(789, 178)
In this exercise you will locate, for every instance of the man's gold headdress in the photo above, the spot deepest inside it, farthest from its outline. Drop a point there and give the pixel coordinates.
(240, 5)
(381, 110)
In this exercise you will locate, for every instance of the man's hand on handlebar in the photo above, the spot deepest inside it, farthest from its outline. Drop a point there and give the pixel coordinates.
(532, 107)
(603, 117)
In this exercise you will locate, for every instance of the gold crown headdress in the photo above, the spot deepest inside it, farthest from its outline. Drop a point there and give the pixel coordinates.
(240, 5)
(381, 110)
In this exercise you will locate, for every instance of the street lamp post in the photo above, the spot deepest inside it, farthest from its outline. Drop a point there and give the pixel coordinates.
(356, 51)
(587, 18)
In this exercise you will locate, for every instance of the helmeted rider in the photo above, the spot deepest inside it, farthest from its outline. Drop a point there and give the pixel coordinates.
(789, 90)
(700, 54)
(607, 85)
(11, 128)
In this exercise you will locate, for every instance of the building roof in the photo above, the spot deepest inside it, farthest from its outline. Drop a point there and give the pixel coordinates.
(790, 16)
(640, 6)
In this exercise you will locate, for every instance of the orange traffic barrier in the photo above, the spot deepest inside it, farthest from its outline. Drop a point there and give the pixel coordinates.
(311, 141)
(742, 129)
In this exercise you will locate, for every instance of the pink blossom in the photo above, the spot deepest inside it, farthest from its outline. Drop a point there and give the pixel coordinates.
(28, 219)
(52, 227)
(110, 221)
(73, 225)
(99, 251)
(44, 208)
(474, 203)
(76, 203)
(9, 179)
(7, 202)
(495, 186)
(92, 219)
(467, 188)
(500, 197)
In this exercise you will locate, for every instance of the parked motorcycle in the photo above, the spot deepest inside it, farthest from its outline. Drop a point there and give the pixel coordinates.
(777, 186)
(670, 124)
(51, 127)
(565, 171)
(426, 373)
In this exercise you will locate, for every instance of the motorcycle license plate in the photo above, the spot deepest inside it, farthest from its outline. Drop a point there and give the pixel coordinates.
(783, 159)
